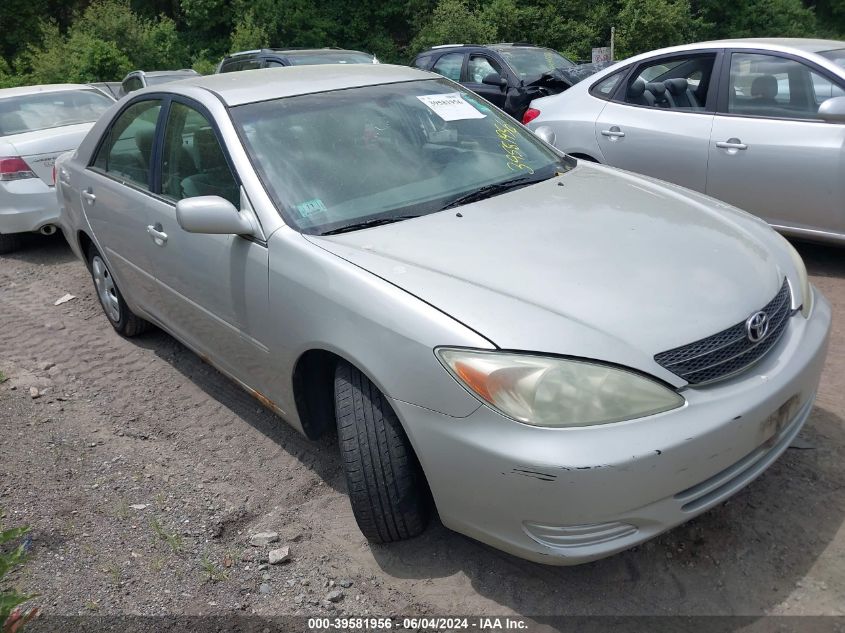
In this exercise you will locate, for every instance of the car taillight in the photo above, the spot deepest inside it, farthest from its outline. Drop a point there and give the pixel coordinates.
(530, 115)
(14, 168)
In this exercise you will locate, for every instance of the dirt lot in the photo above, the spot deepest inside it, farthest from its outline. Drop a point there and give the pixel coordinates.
(143, 472)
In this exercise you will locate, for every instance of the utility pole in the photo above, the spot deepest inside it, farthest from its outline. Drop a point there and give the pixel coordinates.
(612, 42)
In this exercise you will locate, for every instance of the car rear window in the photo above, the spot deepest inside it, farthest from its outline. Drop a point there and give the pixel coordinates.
(335, 57)
(44, 110)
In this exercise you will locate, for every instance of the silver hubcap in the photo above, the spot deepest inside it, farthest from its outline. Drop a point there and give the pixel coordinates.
(105, 288)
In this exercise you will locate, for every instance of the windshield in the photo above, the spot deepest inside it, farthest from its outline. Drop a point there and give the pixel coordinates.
(349, 156)
(43, 110)
(533, 62)
(837, 56)
(334, 57)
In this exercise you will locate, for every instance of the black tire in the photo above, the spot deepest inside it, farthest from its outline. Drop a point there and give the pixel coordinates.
(10, 242)
(387, 488)
(125, 322)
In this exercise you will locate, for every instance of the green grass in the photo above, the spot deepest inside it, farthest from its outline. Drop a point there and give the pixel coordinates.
(171, 538)
(3, 378)
(211, 572)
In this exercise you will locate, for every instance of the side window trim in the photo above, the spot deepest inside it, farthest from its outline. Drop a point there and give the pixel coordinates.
(724, 82)
(165, 105)
(618, 95)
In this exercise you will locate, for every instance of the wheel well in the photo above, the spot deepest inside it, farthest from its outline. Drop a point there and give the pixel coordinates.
(313, 389)
(585, 157)
(84, 244)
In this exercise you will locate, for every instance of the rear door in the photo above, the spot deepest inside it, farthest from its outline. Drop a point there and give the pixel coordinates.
(654, 128)
(115, 196)
(770, 154)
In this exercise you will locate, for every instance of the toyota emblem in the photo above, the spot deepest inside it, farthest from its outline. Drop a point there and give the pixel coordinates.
(757, 326)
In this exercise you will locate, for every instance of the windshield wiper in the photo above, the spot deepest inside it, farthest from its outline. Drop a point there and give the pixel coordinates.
(488, 191)
(354, 226)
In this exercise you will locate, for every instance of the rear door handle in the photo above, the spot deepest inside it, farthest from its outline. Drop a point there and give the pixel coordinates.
(159, 237)
(89, 196)
(733, 143)
(613, 132)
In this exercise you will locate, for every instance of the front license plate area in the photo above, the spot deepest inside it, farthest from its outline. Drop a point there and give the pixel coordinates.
(771, 427)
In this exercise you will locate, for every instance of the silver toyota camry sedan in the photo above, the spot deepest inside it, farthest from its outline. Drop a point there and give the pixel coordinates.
(563, 359)
(757, 123)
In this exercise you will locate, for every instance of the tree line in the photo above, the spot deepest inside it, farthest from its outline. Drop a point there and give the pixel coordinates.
(48, 41)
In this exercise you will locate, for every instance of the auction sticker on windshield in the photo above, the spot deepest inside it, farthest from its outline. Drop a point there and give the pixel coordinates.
(451, 106)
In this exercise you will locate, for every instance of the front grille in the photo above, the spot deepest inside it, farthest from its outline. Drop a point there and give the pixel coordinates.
(728, 352)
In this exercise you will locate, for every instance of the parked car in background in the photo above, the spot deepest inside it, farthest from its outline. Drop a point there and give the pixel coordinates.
(111, 88)
(757, 123)
(568, 358)
(275, 57)
(138, 79)
(508, 75)
(37, 123)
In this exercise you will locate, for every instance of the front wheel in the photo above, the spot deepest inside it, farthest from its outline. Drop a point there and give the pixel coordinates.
(123, 320)
(387, 488)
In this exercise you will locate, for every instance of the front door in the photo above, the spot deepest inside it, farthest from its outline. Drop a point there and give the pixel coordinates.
(478, 67)
(660, 125)
(769, 153)
(212, 288)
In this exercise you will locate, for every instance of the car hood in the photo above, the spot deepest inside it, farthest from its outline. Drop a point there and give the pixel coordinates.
(596, 263)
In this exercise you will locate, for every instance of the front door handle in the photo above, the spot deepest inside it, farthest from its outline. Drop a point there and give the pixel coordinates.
(159, 236)
(613, 133)
(88, 194)
(731, 143)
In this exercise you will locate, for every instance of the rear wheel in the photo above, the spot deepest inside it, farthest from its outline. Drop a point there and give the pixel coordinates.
(120, 316)
(10, 242)
(387, 488)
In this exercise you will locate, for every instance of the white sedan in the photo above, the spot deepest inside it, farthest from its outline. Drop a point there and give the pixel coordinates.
(759, 124)
(37, 123)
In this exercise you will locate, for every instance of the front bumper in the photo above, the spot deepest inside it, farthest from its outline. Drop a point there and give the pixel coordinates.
(27, 205)
(569, 496)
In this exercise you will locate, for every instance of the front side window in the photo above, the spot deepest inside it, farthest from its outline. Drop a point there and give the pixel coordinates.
(772, 86)
(193, 163)
(127, 150)
(479, 67)
(449, 65)
(43, 110)
(681, 83)
(337, 159)
(531, 62)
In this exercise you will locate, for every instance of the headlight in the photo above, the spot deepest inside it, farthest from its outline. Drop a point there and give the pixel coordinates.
(803, 281)
(555, 392)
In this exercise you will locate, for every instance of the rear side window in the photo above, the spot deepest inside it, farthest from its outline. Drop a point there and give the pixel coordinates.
(127, 150)
(680, 83)
(605, 87)
(449, 65)
(423, 62)
(193, 163)
(132, 84)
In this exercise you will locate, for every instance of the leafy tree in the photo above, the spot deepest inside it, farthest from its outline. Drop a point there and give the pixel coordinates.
(454, 21)
(649, 24)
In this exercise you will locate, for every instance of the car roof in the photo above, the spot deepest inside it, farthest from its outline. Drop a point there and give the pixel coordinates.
(188, 72)
(30, 90)
(275, 83)
(295, 51)
(807, 45)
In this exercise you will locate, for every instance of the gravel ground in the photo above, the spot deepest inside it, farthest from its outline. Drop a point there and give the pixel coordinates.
(144, 473)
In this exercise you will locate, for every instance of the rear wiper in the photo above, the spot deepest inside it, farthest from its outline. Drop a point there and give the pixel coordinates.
(354, 226)
(488, 191)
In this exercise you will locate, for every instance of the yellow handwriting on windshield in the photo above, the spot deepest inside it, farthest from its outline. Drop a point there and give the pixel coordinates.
(509, 135)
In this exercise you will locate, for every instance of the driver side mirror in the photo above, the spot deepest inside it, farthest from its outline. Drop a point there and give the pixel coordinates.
(495, 79)
(833, 110)
(212, 215)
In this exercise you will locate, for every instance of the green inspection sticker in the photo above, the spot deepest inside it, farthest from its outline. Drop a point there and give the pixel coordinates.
(310, 207)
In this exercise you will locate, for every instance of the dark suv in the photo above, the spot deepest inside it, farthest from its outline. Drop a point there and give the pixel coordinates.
(272, 57)
(507, 75)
